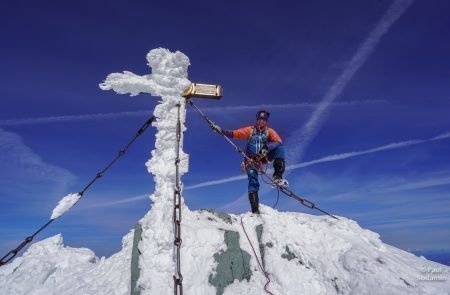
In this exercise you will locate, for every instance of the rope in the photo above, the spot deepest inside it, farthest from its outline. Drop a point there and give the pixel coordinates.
(270, 182)
(257, 260)
(284, 190)
(10, 256)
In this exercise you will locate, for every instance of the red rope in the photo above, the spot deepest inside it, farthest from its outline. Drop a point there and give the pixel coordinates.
(264, 178)
(257, 259)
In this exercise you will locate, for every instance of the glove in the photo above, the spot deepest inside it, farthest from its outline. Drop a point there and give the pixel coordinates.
(216, 128)
(228, 133)
(264, 151)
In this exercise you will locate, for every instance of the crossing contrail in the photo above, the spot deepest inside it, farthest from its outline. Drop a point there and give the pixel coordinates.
(103, 116)
(330, 158)
(302, 137)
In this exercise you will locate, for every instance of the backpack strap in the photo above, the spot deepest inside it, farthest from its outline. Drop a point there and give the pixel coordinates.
(252, 129)
(251, 134)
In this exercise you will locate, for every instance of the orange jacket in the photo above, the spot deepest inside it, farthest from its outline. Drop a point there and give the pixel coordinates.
(244, 133)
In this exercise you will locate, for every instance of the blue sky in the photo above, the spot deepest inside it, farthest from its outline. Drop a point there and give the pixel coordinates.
(54, 55)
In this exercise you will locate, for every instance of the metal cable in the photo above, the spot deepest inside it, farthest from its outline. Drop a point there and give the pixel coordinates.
(284, 190)
(8, 257)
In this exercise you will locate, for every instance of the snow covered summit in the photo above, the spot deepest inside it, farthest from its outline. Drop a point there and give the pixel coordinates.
(301, 253)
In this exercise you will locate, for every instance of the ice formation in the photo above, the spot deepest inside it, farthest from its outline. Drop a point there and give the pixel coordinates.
(168, 80)
(65, 204)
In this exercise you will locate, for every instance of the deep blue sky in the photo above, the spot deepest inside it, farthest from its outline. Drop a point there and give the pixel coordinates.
(54, 54)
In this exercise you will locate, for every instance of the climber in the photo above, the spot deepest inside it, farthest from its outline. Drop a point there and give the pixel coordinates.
(263, 145)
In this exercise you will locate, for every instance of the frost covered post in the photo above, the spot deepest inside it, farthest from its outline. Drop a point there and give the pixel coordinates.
(167, 80)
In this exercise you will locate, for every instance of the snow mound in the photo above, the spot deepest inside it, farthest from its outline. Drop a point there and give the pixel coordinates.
(49, 267)
(303, 254)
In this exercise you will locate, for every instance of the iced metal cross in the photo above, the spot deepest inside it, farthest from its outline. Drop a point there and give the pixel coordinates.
(167, 80)
(168, 162)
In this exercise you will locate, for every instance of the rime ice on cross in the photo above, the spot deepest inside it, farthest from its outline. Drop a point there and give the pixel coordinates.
(168, 80)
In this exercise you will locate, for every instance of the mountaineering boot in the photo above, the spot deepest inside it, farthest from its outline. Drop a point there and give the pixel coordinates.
(277, 178)
(254, 201)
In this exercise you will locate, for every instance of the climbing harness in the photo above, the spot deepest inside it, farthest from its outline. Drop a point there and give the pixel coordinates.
(284, 190)
(8, 257)
(261, 267)
(259, 166)
(177, 278)
(256, 163)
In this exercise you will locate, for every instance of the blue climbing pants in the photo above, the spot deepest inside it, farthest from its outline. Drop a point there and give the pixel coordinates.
(253, 183)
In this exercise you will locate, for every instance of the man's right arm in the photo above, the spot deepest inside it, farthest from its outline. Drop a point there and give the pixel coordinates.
(238, 133)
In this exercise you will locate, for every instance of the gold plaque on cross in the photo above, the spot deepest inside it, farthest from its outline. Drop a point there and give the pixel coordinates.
(211, 91)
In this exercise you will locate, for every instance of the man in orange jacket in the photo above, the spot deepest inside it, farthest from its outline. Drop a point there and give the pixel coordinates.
(263, 144)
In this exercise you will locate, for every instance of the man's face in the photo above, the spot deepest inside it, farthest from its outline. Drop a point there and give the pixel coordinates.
(261, 122)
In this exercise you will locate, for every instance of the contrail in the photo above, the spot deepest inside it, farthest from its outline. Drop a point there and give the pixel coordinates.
(290, 105)
(72, 118)
(310, 130)
(216, 182)
(299, 141)
(101, 116)
(331, 158)
(390, 146)
(117, 202)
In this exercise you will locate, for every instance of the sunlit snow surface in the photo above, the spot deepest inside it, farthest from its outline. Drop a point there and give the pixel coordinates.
(331, 257)
(326, 256)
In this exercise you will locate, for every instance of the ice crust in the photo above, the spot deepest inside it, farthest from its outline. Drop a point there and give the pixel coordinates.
(325, 257)
(65, 204)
